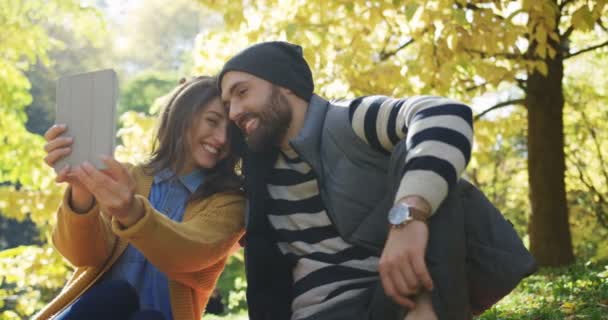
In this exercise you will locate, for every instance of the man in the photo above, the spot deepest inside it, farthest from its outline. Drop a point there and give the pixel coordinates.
(317, 175)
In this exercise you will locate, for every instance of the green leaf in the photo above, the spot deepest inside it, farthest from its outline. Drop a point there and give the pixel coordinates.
(410, 10)
(291, 30)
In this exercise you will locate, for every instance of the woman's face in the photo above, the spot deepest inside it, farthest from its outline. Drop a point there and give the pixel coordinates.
(208, 137)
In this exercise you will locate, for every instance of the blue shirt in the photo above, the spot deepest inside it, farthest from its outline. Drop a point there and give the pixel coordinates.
(168, 196)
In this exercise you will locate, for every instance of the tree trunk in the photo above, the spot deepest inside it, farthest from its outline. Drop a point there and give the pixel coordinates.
(549, 230)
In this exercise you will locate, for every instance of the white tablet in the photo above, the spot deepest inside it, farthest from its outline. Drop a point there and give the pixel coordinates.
(86, 103)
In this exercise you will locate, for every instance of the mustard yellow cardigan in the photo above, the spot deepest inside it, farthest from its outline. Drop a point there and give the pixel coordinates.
(192, 253)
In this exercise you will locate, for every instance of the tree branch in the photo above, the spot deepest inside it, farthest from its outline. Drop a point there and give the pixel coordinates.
(601, 24)
(597, 46)
(475, 87)
(596, 144)
(385, 55)
(521, 83)
(498, 106)
(566, 34)
(600, 214)
(474, 7)
(506, 55)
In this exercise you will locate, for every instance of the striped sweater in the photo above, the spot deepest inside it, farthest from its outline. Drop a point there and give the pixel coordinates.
(327, 270)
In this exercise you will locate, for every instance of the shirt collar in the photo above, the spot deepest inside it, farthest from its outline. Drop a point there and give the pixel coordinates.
(191, 181)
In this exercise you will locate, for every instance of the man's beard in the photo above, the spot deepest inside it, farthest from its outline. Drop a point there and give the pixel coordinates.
(274, 122)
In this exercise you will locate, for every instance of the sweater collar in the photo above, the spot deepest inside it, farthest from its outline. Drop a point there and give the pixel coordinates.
(309, 137)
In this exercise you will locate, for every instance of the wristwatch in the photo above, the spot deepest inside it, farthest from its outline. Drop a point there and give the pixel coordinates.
(401, 214)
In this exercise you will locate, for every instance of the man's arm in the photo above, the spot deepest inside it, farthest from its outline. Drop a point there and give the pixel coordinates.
(438, 134)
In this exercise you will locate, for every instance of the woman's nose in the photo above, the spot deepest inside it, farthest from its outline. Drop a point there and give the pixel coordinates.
(221, 135)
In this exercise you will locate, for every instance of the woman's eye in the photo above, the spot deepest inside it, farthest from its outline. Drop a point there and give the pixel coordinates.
(212, 121)
(242, 92)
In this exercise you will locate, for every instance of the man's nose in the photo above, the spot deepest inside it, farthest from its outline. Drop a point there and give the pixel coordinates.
(235, 111)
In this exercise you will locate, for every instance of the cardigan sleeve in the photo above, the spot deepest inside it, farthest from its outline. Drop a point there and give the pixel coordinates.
(205, 238)
(84, 239)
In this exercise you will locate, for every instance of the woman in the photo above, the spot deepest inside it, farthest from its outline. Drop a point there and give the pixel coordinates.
(159, 233)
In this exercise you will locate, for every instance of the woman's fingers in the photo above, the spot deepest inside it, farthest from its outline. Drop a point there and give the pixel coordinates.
(56, 147)
(95, 179)
(62, 175)
(56, 155)
(99, 186)
(115, 169)
(60, 142)
(54, 131)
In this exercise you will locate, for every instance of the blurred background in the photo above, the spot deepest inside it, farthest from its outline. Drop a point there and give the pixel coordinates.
(535, 72)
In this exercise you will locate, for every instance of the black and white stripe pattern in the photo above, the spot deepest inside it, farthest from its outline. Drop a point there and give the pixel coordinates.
(327, 270)
(438, 133)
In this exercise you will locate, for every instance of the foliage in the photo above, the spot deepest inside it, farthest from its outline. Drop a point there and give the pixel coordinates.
(140, 93)
(587, 140)
(398, 48)
(232, 283)
(152, 35)
(83, 55)
(231, 316)
(498, 165)
(579, 291)
(31, 277)
(27, 187)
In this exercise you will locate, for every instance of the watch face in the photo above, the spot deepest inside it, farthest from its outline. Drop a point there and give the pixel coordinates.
(398, 214)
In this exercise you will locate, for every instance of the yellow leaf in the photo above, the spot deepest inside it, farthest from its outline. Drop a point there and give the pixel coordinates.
(582, 19)
(542, 68)
(541, 50)
(568, 307)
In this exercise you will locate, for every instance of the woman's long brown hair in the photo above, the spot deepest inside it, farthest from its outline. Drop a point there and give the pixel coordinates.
(171, 148)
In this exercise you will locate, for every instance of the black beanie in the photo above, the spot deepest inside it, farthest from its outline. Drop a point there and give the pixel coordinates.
(278, 62)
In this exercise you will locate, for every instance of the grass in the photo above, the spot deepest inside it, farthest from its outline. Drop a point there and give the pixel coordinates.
(579, 291)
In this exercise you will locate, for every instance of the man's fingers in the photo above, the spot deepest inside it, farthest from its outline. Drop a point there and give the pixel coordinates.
(421, 271)
(54, 131)
(56, 155)
(408, 303)
(390, 289)
(406, 271)
(404, 288)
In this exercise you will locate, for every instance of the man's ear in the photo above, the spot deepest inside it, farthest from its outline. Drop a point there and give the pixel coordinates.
(286, 92)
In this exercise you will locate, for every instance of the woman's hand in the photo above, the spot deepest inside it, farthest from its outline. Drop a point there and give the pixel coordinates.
(57, 148)
(114, 189)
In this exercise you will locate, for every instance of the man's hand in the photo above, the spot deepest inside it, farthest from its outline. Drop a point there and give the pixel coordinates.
(114, 190)
(402, 266)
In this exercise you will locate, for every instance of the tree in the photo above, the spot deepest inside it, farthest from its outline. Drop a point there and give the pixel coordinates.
(451, 47)
(586, 131)
(26, 186)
